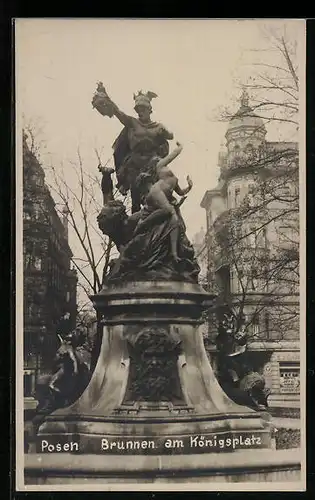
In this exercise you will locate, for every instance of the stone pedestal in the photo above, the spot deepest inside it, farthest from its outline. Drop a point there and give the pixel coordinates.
(153, 391)
(203, 472)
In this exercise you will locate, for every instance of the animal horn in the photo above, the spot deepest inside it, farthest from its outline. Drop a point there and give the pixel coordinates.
(60, 338)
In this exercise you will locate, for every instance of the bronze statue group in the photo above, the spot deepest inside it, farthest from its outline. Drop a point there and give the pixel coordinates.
(152, 241)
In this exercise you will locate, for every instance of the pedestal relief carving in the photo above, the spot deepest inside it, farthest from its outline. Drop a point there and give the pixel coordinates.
(153, 374)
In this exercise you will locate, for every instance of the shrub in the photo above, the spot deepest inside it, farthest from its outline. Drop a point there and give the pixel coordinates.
(288, 438)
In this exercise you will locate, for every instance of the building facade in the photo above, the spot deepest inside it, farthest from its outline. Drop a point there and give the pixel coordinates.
(198, 242)
(252, 246)
(49, 282)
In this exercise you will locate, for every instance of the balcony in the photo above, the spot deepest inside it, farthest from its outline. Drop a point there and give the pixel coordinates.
(274, 345)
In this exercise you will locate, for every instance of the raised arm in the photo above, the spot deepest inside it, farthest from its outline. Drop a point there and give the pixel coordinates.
(104, 104)
(126, 120)
(170, 157)
(183, 192)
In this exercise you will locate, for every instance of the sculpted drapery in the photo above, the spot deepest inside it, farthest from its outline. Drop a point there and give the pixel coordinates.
(140, 139)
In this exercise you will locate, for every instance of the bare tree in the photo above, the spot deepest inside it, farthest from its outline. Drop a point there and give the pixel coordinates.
(258, 238)
(79, 203)
(34, 128)
(273, 83)
(78, 197)
(76, 194)
(263, 262)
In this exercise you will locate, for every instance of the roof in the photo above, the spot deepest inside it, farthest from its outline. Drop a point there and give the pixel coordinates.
(282, 145)
(210, 193)
(247, 119)
(245, 116)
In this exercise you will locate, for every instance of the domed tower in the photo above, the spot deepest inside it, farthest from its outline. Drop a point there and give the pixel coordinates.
(245, 137)
(246, 131)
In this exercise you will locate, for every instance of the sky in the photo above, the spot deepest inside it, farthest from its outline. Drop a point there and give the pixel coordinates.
(193, 65)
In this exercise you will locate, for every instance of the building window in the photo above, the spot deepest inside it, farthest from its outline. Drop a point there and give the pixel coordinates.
(232, 280)
(29, 382)
(237, 194)
(267, 325)
(209, 220)
(285, 193)
(37, 262)
(239, 280)
(254, 280)
(289, 377)
(261, 238)
(29, 310)
(238, 231)
(33, 310)
(27, 260)
(257, 239)
(31, 261)
(252, 237)
(27, 215)
(37, 210)
(255, 324)
(251, 191)
(286, 237)
(261, 151)
(37, 180)
(249, 150)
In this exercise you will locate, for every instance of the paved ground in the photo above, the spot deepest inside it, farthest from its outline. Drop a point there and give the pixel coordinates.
(286, 423)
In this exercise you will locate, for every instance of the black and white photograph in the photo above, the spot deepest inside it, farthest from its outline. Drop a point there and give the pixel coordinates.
(160, 254)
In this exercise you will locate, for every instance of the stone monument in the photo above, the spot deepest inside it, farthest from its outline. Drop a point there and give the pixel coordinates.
(153, 391)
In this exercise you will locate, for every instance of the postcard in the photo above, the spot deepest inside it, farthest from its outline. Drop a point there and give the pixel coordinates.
(160, 179)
